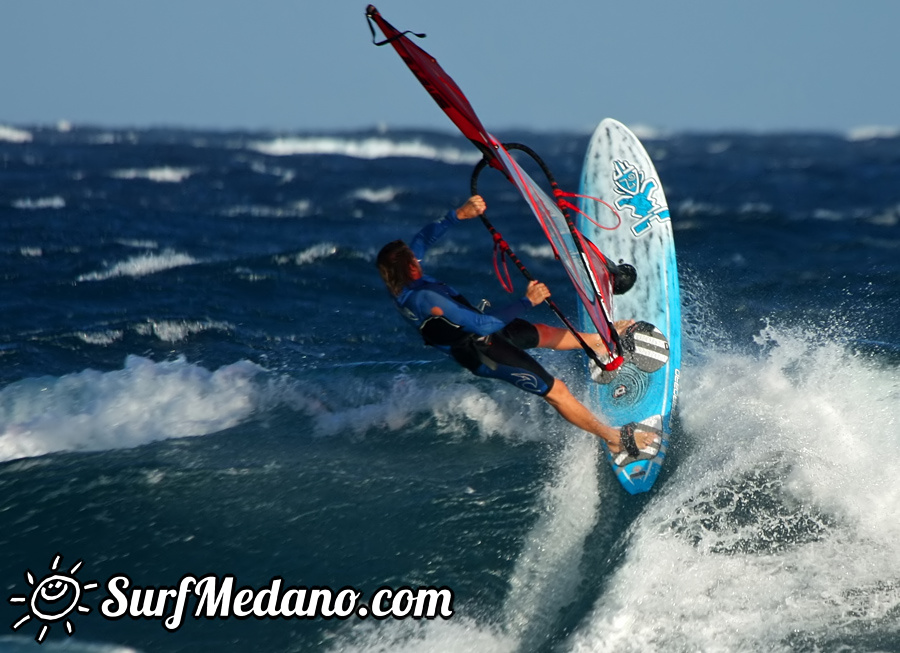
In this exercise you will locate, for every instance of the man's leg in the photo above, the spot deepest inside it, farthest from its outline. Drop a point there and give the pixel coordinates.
(561, 338)
(514, 365)
(577, 414)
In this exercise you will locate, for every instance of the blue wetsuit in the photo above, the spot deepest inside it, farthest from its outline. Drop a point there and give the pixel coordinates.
(488, 344)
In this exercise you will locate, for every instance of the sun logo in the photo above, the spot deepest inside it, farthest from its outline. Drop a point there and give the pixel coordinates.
(53, 598)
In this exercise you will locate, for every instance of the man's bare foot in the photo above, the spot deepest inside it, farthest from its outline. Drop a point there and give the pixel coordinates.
(622, 326)
(645, 440)
(597, 343)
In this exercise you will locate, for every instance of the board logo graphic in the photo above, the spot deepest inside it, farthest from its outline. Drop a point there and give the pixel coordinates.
(53, 598)
(639, 196)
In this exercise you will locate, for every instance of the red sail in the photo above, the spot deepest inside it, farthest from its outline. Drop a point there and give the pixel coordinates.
(439, 84)
(583, 262)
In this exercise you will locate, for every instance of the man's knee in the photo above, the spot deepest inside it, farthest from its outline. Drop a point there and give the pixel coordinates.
(557, 393)
(548, 336)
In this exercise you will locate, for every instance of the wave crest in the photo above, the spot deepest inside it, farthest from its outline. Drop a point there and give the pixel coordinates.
(366, 148)
(143, 402)
(138, 266)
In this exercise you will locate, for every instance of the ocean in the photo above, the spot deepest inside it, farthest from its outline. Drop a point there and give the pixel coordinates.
(202, 375)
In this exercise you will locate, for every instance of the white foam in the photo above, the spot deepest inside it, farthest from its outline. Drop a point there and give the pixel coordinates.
(459, 634)
(691, 207)
(165, 330)
(828, 215)
(781, 517)
(871, 132)
(13, 135)
(376, 196)
(889, 217)
(100, 337)
(138, 244)
(25, 643)
(646, 132)
(177, 330)
(298, 209)
(109, 138)
(164, 174)
(548, 570)
(309, 255)
(544, 251)
(29, 204)
(365, 148)
(141, 265)
(143, 402)
(455, 407)
(755, 207)
(285, 174)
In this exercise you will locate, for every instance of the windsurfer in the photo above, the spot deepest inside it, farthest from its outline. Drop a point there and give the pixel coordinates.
(491, 344)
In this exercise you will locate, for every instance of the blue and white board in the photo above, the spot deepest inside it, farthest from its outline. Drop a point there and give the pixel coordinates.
(618, 170)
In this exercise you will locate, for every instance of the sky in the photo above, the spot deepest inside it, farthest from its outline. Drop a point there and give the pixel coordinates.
(310, 65)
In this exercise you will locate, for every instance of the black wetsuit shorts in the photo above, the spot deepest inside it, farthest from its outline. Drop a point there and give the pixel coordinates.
(501, 356)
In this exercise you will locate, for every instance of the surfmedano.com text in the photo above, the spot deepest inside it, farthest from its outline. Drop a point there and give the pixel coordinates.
(212, 597)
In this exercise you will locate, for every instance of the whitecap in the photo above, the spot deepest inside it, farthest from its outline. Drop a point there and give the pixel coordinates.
(164, 174)
(298, 209)
(691, 206)
(789, 462)
(646, 132)
(285, 174)
(100, 337)
(106, 138)
(544, 251)
(309, 255)
(376, 196)
(871, 132)
(137, 243)
(755, 207)
(138, 266)
(366, 148)
(828, 215)
(886, 218)
(143, 402)
(25, 643)
(13, 135)
(29, 204)
(177, 330)
(461, 634)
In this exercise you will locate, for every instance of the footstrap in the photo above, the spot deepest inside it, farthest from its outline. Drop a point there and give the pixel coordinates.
(626, 433)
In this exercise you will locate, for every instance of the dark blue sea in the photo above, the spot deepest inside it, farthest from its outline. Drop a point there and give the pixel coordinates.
(200, 373)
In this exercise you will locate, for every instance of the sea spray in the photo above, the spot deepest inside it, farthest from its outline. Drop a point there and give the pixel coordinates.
(776, 517)
(143, 402)
(548, 570)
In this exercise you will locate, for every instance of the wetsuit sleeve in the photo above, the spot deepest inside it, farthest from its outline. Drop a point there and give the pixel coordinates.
(431, 233)
(471, 321)
(510, 312)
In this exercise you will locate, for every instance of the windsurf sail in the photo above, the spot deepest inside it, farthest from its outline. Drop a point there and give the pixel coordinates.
(584, 263)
